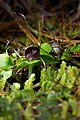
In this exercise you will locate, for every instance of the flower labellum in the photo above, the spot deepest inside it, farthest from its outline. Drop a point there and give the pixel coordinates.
(32, 53)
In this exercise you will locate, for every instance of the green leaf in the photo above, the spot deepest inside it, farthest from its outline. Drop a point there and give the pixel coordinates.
(22, 64)
(44, 54)
(65, 54)
(75, 48)
(48, 59)
(6, 61)
(31, 64)
(5, 75)
(34, 62)
(45, 49)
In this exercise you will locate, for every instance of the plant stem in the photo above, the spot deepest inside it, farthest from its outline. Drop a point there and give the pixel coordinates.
(30, 70)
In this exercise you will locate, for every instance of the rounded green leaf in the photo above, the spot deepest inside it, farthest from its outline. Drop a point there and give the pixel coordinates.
(48, 59)
(6, 62)
(45, 48)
